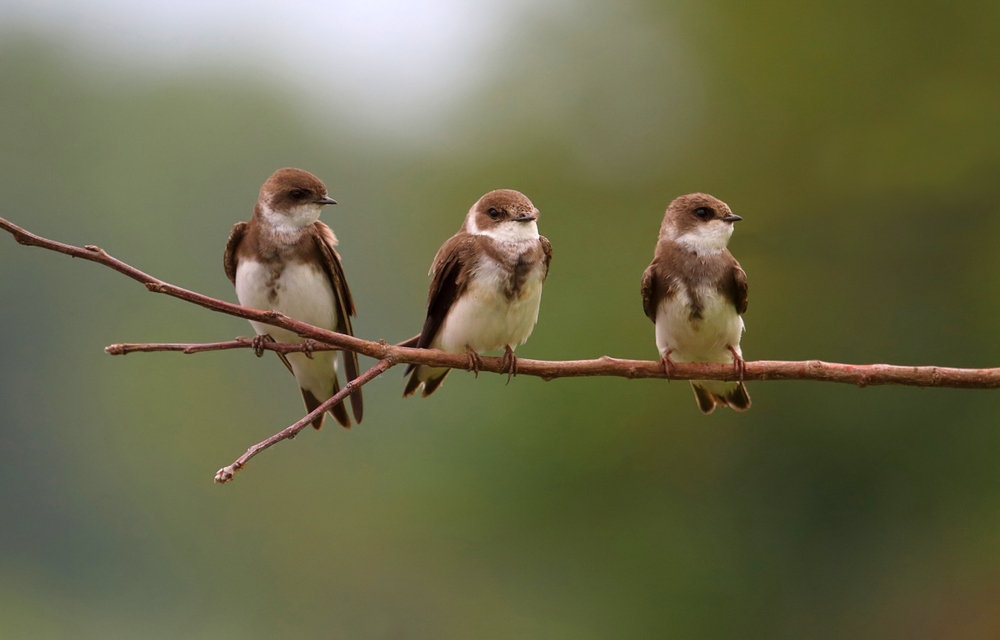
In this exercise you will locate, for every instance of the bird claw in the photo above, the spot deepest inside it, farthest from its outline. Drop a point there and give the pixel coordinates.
(739, 364)
(307, 347)
(475, 362)
(668, 365)
(509, 362)
(258, 344)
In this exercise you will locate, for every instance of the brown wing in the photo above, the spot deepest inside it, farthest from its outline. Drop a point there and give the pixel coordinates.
(229, 259)
(649, 297)
(547, 250)
(736, 287)
(449, 282)
(326, 241)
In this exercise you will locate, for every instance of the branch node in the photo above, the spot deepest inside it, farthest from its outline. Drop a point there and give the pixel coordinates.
(115, 350)
(225, 474)
(155, 287)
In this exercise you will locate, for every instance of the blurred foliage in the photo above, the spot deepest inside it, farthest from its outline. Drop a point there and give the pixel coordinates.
(859, 141)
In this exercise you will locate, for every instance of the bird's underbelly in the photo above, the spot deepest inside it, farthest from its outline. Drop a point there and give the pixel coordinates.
(486, 320)
(704, 339)
(300, 291)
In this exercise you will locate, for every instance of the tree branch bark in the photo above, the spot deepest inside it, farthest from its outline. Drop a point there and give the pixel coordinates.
(317, 339)
(239, 343)
(858, 374)
(225, 474)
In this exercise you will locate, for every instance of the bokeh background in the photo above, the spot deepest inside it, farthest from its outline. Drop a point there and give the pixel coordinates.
(859, 141)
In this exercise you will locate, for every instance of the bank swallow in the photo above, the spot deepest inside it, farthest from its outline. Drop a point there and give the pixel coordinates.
(284, 259)
(486, 286)
(695, 293)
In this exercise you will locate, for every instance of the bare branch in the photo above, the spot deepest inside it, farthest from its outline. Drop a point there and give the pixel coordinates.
(225, 474)
(307, 346)
(860, 375)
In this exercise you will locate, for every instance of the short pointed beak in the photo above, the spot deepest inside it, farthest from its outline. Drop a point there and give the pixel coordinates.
(326, 200)
(528, 217)
(731, 217)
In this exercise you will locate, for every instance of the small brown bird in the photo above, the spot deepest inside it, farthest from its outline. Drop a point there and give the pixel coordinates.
(695, 293)
(284, 259)
(486, 287)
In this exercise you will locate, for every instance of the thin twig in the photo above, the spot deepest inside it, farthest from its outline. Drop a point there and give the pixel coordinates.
(225, 474)
(860, 375)
(239, 343)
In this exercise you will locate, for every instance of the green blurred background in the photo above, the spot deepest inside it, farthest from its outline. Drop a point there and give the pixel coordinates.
(859, 141)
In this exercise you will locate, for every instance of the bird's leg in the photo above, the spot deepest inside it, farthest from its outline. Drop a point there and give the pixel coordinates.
(258, 344)
(509, 362)
(739, 363)
(668, 364)
(475, 362)
(307, 347)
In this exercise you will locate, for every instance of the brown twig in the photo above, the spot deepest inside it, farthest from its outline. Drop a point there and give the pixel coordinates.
(225, 474)
(239, 343)
(860, 375)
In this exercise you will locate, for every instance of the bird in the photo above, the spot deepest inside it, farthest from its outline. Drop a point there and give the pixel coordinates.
(486, 287)
(284, 259)
(695, 292)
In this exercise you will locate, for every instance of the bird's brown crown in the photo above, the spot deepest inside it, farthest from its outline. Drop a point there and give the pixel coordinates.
(693, 210)
(289, 188)
(502, 206)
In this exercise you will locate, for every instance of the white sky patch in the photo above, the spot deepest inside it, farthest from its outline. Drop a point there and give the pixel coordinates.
(389, 63)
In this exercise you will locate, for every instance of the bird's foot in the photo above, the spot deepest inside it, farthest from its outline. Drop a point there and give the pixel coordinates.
(509, 362)
(475, 362)
(668, 365)
(308, 345)
(258, 344)
(739, 364)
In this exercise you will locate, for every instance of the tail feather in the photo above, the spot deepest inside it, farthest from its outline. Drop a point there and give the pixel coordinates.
(737, 398)
(430, 384)
(351, 372)
(706, 400)
(311, 405)
(339, 410)
(412, 384)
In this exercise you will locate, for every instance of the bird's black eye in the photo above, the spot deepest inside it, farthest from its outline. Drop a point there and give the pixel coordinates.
(494, 214)
(297, 194)
(704, 213)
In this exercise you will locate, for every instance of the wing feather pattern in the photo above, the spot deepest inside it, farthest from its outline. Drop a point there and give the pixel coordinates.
(326, 241)
(232, 246)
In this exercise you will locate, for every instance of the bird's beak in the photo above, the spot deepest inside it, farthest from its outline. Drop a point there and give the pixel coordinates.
(326, 200)
(528, 217)
(731, 217)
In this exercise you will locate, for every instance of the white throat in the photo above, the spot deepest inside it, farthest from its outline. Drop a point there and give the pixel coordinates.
(706, 239)
(508, 231)
(289, 226)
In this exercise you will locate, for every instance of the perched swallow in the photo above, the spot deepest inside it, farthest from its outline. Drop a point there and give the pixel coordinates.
(695, 293)
(486, 287)
(284, 259)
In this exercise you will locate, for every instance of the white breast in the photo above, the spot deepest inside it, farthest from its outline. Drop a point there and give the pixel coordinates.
(704, 340)
(301, 291)
(484, 319)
